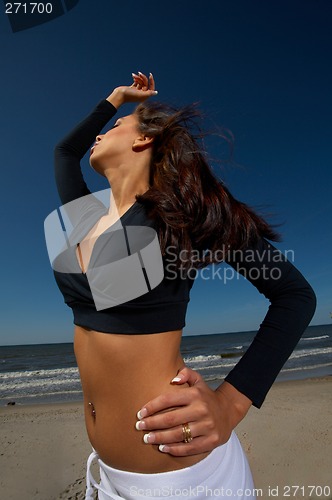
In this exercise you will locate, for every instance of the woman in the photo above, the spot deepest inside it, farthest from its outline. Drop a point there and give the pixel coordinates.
(181, 443)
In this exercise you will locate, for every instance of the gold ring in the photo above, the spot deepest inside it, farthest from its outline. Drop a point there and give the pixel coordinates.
(186, 432)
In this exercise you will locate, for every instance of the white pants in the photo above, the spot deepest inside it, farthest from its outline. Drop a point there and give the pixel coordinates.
(224, 473)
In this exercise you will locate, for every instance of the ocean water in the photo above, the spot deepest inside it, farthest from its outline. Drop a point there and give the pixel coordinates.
(48, 373)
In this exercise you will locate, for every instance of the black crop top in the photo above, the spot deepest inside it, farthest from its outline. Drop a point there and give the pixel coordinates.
(163, 308)
(156, 309)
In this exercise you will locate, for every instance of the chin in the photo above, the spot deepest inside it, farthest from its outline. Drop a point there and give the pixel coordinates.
(96, 167)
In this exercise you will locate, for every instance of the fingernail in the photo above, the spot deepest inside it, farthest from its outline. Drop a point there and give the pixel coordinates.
(140, 73)
(178, 378)
(155, 91)
(163, 448)
(133, 75)
(150, 74)
(140, 425)
(142, 413)
(149, 438)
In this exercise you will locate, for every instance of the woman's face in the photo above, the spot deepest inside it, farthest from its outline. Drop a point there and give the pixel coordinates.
(113, 147)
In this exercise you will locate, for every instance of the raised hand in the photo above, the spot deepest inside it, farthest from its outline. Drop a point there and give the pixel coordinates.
(141, 89)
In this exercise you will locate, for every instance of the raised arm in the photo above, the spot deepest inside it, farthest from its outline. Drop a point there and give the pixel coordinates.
(71, 149)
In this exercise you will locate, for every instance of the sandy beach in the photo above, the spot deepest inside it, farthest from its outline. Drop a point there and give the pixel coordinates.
(288, 444)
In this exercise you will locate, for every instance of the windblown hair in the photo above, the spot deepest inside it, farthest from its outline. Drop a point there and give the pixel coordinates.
(194, 209)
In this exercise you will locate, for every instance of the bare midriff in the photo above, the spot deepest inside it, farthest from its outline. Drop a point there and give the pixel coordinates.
(119, 374)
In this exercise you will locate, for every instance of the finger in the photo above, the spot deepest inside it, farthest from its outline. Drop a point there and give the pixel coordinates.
(197, 445)
(144, 80)
(172, 436)
(152, 84)
(186, 375)
(166, 420)
(165, 402)
(141, 80)
(138, 80)
(135, 78)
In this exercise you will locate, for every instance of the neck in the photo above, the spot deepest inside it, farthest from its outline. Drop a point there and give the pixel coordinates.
(123, 193)
(127, 179)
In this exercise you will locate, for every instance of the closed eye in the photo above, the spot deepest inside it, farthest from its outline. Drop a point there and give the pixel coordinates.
(117, 123)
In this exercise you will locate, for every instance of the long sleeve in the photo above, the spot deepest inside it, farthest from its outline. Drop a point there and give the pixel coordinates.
(71, 149)
(292, 305)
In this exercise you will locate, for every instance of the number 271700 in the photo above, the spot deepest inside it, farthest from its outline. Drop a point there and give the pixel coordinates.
(29, 8)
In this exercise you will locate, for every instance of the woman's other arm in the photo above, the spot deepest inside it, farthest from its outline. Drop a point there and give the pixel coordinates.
(292, 306)
(214, 414)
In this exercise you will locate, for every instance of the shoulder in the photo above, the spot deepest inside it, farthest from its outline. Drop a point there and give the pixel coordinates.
(138, 215)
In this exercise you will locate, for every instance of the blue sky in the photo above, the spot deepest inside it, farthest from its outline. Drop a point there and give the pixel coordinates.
(261, 69)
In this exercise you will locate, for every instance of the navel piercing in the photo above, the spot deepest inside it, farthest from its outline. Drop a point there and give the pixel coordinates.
(93, 411)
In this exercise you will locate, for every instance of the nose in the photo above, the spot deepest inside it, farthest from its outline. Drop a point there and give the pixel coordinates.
(98, 138)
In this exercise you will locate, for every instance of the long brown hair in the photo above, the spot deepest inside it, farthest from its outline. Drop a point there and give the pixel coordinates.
(194, 210)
